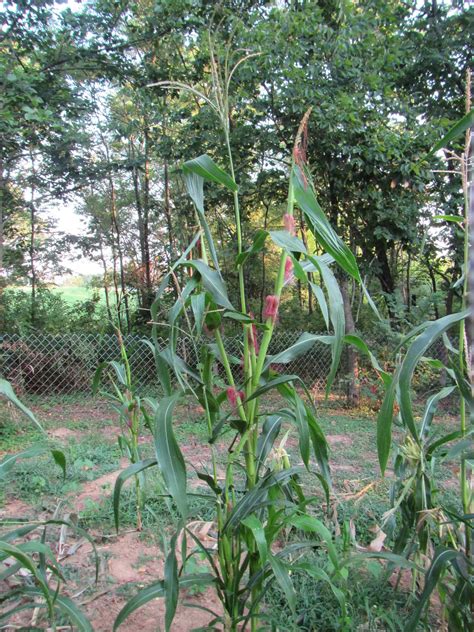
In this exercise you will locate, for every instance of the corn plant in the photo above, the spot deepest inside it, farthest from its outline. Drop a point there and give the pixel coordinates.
(259, 501)
(132, 414)
(437, 537)
(29, 569)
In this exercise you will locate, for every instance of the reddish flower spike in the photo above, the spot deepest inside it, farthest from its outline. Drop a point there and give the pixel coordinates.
(253, 340)
(271, 307)
(233, 395)
(289, 224)
(289, 270)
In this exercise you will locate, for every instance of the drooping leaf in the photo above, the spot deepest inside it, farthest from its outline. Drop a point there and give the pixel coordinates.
(258, 532)
(131, 470)
(8, 461)
(257, 497)
(281, 571)
(7, 391)
(401, 380)
(431, 407)
(157, 590)
(198, 305)
(323, 306)
(442, 558)
(357, 342)
(171, 584)
(320, 226)
(212, 282)
(336, 315)
(271, 384)
(266, 439)
(259, 240)
(290, 243)
(456, 130)
(194, 184)
(300, 346)
(169, 455)
(205, 167)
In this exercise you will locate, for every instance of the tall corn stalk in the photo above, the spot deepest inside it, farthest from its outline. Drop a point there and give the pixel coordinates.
(259, 500)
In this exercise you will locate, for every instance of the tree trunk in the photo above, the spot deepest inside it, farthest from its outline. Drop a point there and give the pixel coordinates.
(32, 249)
(2, 196)
(106, 289)
(353, 386)
(146, 222)
(385, 276)
(113, 211)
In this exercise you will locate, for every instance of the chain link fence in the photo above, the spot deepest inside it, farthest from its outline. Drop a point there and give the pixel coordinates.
(60, 365)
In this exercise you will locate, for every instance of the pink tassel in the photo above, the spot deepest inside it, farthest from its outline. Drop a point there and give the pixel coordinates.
(271, 308)
(289, 224)
(289, 270)
(233, 395)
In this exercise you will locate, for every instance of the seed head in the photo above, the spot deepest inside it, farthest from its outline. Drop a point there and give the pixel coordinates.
(271, 307)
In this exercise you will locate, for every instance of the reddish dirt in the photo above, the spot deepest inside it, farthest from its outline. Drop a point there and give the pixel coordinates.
(338, 439)
(99, 488)
(17, 509)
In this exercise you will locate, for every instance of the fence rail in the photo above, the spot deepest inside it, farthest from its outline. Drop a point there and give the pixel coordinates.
(41, 364)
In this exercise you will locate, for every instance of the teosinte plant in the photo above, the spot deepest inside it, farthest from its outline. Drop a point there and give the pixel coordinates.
(132, 414)
(435, 534)
(258, 498)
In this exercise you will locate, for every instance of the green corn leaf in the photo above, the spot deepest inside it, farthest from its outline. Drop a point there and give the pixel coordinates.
(414, 353)
(281, 379)
(442, 558)
(321, 575)
(456, 130)
(290, 243)
(431, 407)
(67, 607)
(310, 524)
(205, 167)
(212, 282)
(138, 601)
(452, 436)
(131, 470)
(320, 226)
(257, 497)
(282, 575)
(169, 455)
(239, 317)
(178, 364)
(171, 584)
(157, 590)
(320, 446)
(180, 303)
(162, 369)
(7, 391)
(258, 532)
(60, 460)
(8, 462)
(357, 342)
(337, 316)
(402, 380)
(195, 186)
(302, 345)
(323, 306)
(259, 240)
(270, 430)
(198, 305)
(10, 550)
(457, 219)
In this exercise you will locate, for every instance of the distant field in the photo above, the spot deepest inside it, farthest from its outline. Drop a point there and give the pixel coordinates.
(71, 293)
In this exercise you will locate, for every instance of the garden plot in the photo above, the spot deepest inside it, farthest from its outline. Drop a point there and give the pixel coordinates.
(87, 433)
